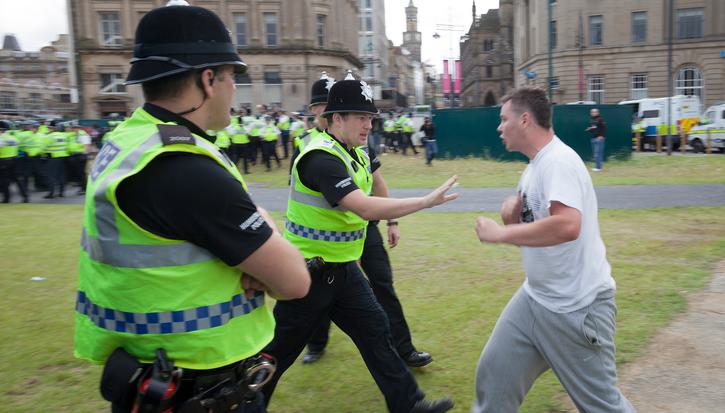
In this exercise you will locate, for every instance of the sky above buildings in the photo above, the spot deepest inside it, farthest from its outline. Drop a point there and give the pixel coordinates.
(36, 23)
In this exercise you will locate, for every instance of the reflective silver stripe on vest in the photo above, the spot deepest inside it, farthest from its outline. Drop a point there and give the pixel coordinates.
(107, 249)
(143, 256)
(324, 235)
(168, 322)
(310, 199)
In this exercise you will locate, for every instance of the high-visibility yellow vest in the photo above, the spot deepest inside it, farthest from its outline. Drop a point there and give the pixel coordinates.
(141, 291)
(314, 226)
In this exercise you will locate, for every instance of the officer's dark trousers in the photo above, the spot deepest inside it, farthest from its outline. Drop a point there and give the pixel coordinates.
(8, 174)
(269, 150)
(285, 143)
(76, 165)
(344, 294)
(407, 139)
(239, 151)
(255, 144)
(376, 264)
(55, 175)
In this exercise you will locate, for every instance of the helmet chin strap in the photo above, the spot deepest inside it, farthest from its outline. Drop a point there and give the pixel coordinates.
(193, 108)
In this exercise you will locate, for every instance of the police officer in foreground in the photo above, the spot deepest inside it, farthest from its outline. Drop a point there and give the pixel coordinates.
(374, 261)
(171, 290)
(328, 209)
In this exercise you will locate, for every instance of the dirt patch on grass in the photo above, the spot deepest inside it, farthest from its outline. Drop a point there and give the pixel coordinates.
(683, 368)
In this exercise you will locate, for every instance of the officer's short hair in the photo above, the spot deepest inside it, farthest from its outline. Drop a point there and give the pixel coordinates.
(328, 116)
(169, 87)
(531, 100)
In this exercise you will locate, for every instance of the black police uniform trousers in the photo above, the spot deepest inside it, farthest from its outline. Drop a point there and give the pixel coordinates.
(343, 292)
(375, 263)
(76, 168)
(269, 150)
(8, 174)
(239, 151)
(55, 175)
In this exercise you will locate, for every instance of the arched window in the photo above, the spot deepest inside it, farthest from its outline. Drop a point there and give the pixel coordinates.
(689, 82)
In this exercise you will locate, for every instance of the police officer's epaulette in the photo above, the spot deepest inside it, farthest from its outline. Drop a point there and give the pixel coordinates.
(304, 135)
(175, 134)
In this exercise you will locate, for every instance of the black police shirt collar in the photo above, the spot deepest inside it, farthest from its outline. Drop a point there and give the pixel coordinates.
(165, 115)
(350, 151)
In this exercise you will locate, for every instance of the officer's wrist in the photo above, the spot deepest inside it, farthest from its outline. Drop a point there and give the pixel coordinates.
(392, 223)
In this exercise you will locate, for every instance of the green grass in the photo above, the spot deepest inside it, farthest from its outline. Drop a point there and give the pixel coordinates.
(410, 172)
(452, 289)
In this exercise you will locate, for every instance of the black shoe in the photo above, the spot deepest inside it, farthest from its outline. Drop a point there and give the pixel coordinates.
(26, 200)
(418, 359)
(436, 406)
(312, 356)
(60, 195)
(48, 196)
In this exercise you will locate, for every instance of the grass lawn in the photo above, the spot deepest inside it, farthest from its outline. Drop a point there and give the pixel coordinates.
(410, 172)
(451, 286)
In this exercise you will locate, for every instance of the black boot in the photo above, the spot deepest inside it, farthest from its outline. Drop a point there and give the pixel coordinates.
(436, 406)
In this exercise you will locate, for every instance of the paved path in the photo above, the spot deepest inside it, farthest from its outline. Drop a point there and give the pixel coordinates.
(489, 199)
(683, 367)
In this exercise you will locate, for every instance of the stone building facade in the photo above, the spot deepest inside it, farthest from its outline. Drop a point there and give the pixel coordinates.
(286, 43)
(610, 51)
(487, 57)
(35, 83)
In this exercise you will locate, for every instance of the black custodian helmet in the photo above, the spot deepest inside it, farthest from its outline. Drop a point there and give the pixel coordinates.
(176, 39)
(351, 95)
(320, 89)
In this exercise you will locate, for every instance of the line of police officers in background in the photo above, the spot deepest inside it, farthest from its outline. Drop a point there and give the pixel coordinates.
(49, 154)
(52, 154)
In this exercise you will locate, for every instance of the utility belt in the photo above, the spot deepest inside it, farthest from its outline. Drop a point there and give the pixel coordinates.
(161, 387)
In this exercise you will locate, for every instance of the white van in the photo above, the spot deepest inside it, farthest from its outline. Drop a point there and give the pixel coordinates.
(650, 114)
(713, 120)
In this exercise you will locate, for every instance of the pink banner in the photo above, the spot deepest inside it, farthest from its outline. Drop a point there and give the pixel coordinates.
(446, 78)
(457, 78)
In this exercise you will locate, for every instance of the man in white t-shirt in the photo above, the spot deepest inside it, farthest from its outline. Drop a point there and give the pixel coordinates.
(563, 317)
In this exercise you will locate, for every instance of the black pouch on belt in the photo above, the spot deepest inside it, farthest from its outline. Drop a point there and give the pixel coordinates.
(118, 382)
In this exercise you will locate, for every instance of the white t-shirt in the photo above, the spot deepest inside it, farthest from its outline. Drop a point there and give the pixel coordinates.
(568, 276)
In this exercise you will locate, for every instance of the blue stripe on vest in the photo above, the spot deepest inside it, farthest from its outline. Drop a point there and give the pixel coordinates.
(324, 235)
(168, 322)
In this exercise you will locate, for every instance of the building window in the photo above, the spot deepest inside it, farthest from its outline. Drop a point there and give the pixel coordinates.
(596, 89)
(689, 82)
(270, 28)
(240, 29)
(366, 21)
(64, 98)
(689, 23)
(7, 100)
(112, 83)
(553, 34)
(242, 79)
(489, 71)
(595, 30)
(110, 28)
(321, 29)
(638, 89)
(554, 83)
(487, 45)
(366, 4)
(35, 101)
(272, 88)
(639, 27)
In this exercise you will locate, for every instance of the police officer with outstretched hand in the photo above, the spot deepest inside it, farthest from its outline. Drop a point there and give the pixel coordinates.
(328, 210)
(176, 258)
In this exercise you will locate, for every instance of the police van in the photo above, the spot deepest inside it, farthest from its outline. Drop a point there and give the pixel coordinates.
(713, 121)
(650, 117)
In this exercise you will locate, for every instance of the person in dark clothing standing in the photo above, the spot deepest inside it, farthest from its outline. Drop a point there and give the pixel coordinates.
(429, 140)
(598, 129)
(376, 265)
(328, 210)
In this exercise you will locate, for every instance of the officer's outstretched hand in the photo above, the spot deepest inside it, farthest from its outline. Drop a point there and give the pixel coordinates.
(439, 196)
(489, 230)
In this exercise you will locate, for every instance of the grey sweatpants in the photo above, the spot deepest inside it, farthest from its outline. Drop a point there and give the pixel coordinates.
(529, 339)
